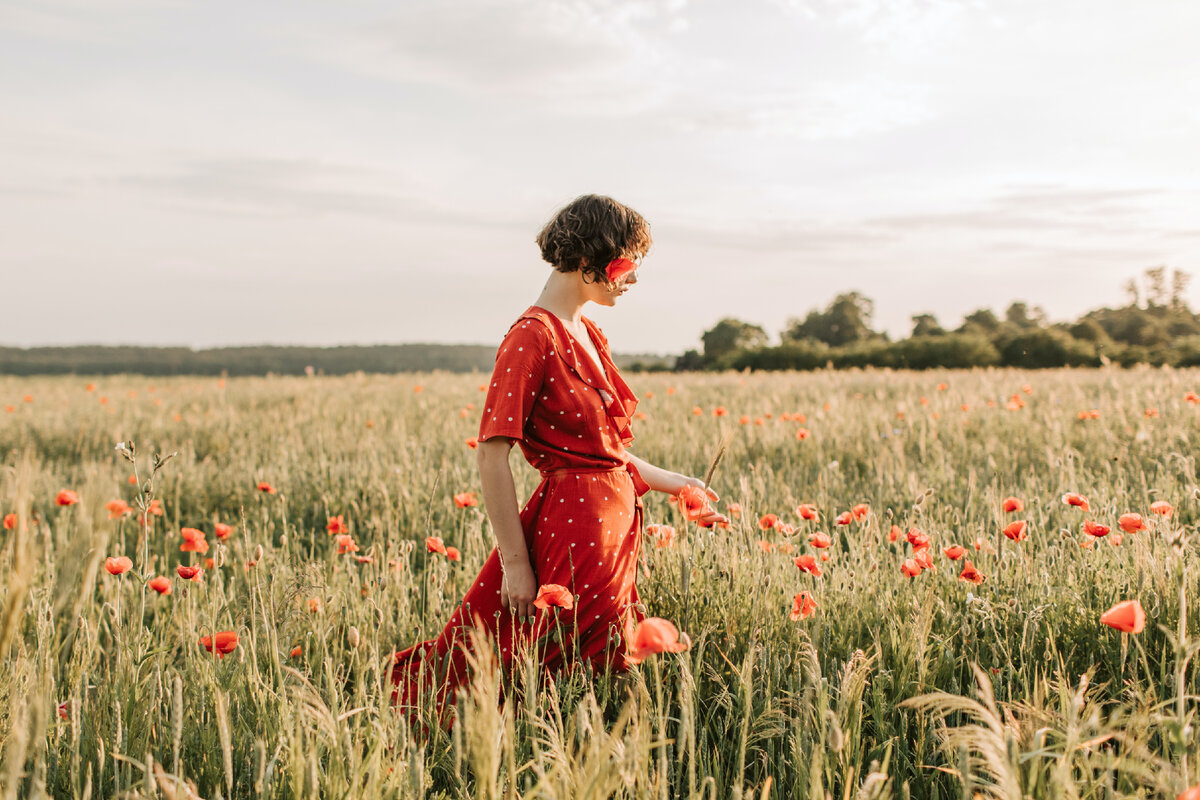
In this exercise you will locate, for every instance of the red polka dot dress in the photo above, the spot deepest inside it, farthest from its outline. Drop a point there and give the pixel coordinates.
(582, 523)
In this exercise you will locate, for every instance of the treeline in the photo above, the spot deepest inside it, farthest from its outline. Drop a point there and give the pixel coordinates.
(261, 360)
(1155, 327)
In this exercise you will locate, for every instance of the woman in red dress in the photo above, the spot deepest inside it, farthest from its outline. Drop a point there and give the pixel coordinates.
(556, 391)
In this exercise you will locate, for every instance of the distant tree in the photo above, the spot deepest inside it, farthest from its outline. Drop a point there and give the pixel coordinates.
(1179, 284)
(1024, 317)
(983, 320)
(846, 319)
(1089, 330)
(926, 325)
(690, 361)
(730, 335)
(1133, 293)
(1156, 286)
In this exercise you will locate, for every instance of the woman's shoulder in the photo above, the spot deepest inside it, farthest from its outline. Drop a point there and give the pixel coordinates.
(532, 326)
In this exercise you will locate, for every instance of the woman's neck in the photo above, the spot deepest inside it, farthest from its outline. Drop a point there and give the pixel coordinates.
(563, 296)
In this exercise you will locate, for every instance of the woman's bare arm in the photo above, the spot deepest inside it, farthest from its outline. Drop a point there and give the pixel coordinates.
(664, 480)
(519, 587)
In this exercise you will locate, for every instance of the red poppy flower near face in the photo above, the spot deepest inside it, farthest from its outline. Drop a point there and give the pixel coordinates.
(553, 594)
(807, 511)
(954, 552)
(618, 268)
(1078, 500)
(189, 573)
(803, 606)
(222, 530)
(768, 521)
(473, 442)
(1095, 528)
(802, 434)
(337, 525)
(894, 533)
(117, 509)
(970, 574)
(466, 500)
(1131, 523)
(808, 564)
(66, 498)
(917, 539)
(435, 544)
(266, 488)
(161, 584)
(1016, 530)
(118, 564)
(345, 543)
(1013, 504)
(655, 635)
(1162, 508)
(1127, 617)
(844, 518)
(924, 558)
(819, 539)
(225, 643)
(860, 511)
(910, 568)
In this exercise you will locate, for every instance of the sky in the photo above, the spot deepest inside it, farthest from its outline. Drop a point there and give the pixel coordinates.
(216, 173)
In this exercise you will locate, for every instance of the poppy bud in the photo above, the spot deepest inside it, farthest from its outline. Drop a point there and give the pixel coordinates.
(258, 553)
(352, 637)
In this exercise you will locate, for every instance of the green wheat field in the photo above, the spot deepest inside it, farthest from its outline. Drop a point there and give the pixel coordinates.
(930, 686)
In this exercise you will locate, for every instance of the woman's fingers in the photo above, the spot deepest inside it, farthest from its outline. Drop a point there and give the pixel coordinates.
(713, 495)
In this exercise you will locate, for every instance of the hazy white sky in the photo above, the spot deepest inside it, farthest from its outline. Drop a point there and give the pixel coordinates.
(206, 173)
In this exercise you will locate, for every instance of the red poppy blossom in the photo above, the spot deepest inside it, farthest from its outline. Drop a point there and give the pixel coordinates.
(860, 511)
(473, 442)
(337, 525)
(64, 710)
(117, 509)
(819, 539)
(785, 528)
(345, 543)
(452, 554)
(808, 564)
(222, 530)
(155, 508)
(894, 533)
(954, 552)
(1013, 504)
(1192, 793)
(189, 573)
(618, 268)
(435, 544)
(655, 635)
(1016, 530)
(803, 606)
(734, 508)
(1131, 523)
(785, 548)
(768, 521)
(1127, 617)
(552, 594)
(693, 502)
(807, 511)
(193, 541)
(802, 434)
(296, 651)
(844, 518)
(10, 521)
(720, 411)
(970, 574)
(1192, 398)
(764, 545)
(1072, 499)
(118, 564)
(466, 500)
(266, 488)
(66, 498)
(1151, 413)
(917, 539)
(910, 568)
(923, 558)
(1095, 528)
(1162, 508)
(225, 643)
(161, 584)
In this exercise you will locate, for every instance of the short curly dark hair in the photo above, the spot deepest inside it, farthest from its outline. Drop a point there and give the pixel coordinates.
(591, 231)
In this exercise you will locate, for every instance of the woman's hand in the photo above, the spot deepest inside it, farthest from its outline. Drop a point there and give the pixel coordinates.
(710, 516)
(518, 588)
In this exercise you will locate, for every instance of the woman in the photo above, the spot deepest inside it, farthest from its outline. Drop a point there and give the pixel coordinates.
(556, 391)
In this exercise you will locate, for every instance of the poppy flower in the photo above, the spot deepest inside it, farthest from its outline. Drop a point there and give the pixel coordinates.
(734, 508)
(193, 541)
(819, 539)
(222, 530)
(466, 500)
(66, 498)
(337, 525)
(764, 545)
(803, 606)
(807, 511)
(970, 574)
(666, 535)
(941, 387)
(64, 710)
(768, 521)
(345, 543)
(117, 509)
(785, 548)
(1072, 499)
(1095, 528)
(266, 488)
(1013, 504)
(473, 442)
(224, 643)
(744, 419)
(1127, 617)
(697, 411)
(435, 544)
(1162, 508)
(1192, 793)
(844, 518)
(923, 558)
(1027, 389)
(860, 511)
(10, 521)
(296, 651)
(189, 573)
(720, 411)
(954, 552)
(808, 564)
(552, 594)
(1116, 539)
(210, 563)
(618, 268)
(1131, 523)
(786, 529)
(161, 584)
(451, 553)
(314, 605)
(155, 508)
(1151, 413)
(1016, 530)
(917, 539)
(910, 568)
(118, 564)
(1192, 398)
(802, 434)
(894, 533)
(655, 635)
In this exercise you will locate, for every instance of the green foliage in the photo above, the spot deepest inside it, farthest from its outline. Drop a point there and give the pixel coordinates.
(845, 320)
(730, 335)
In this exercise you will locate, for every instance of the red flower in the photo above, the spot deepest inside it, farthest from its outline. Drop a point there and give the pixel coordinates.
(160, 584)
(118, 564)
(1013, 504)
(803, 606)
(808, 564)
(189, 573)
(225, 642)
(296, 651)
(917, 539)
(807, 511)
(768, 521)
(802, 434)
(1127, 617)
(1194, 792)
(263, 486)
(734, 508)
(337, 525)
(66, 498)
(618, 268)
(435, 544)
(970, 574)
(1072, 499)
(1192, 398)
(894, 533)
(64, 710)
(10, 521)
(693, 502)
(860, 511)
(923, 558)
(720, 411)
(1095, 528)
(193, 541)
(453, 554)
(1131, 523)
(345, 543)
(473, 443)
(655, 635)
(466, 500)
(954, 552)
(1015, 530)
(844, 518)
(117, 509)
(910, 568)
(1162, 508)
(222, 530)
(764, 545)
(552, 594)
(819, 539)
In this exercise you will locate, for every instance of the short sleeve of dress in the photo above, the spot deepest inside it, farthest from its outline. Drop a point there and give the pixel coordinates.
(516, 380)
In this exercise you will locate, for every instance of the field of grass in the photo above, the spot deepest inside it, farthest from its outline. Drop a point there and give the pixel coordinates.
(896, 686)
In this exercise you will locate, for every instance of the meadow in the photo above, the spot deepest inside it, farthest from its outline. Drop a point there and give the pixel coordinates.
(913, 676)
